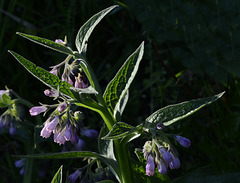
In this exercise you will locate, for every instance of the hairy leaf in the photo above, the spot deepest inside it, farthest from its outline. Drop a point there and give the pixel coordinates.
(117, 88)
(86, 30)
(105, 146)
(58, 176)
(172, 113)
(119, 130)
(44, 76)
(47, 43)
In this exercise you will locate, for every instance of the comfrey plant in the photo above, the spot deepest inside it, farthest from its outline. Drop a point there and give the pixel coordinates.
(77, 85)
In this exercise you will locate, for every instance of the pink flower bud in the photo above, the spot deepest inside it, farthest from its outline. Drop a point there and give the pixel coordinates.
(37, 110)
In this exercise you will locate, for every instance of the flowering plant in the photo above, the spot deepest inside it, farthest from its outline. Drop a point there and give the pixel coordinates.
(77, 85)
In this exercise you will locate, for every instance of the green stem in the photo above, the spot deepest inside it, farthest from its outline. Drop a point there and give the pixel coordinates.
(121, 151)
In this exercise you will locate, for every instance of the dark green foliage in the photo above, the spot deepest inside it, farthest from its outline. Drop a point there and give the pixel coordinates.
(198, 40)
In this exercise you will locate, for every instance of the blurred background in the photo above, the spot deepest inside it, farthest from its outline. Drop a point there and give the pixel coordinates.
(191, 51)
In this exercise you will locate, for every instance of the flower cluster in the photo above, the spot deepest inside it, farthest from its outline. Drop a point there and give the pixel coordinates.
(64, 124)
(13, 113)
(72, 73)
(162, 155)
(20, 164)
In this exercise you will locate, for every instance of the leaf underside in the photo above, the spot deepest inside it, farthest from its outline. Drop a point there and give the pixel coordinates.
(58, 176)
(86, 30)
(44, 76)
(117, 88)
(172, 113)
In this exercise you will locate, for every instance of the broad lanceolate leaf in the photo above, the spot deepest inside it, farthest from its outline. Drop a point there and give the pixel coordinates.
(124, 132)
(119, 130)
(78, 154)
(86, 30)
(47, 43)
(172, 113)
(58, 176)
(117, 88)
(46, 77)
(121, 106)
(105, 146)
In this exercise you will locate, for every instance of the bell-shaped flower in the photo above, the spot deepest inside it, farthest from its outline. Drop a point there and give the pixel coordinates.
(162, 167)
(59, 137)
(80, 145)
(62, 107)
(68, 132)
(73, 177)
(183, 141)
(12, 130)
(45, 133)
(51, 93)
(37, 110)
(166, 156)
(50, 126)
(175, 163)
(90, 133)
(59, 41)
(150, 167)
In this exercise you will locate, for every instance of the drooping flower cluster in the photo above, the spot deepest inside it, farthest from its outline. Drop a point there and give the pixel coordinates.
(13, 113)
(64, 124)
(162, 155)
(72, 73)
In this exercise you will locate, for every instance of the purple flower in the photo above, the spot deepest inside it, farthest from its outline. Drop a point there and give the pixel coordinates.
(167, 157)
(12, 130)
(54, 71)
(90, 133)
(175, 163)
(37, 110)
(2, 92)
(52, 124)
(150, 167)
(51, 93)
(19, 163)
(79, 83)
(80, 145)
(62, 107)
(183, 141)
(59, 137)
(162, 167)
(160, 126)
(45, 133)
(74, 138)
(21, 171)
(73, 177)
(59, 41)
(68, 132)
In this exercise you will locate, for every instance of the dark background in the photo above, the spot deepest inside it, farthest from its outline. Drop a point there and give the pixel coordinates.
(191, 51)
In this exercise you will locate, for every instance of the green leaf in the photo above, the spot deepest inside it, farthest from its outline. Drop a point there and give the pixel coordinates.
(172, 113)
(117, 88)
(6, 99)
(119, 130)
(78, 154)
(86, 30)
(58, 176)
(44, 76)
(47, 43)
(105, 146)
(121, 106)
